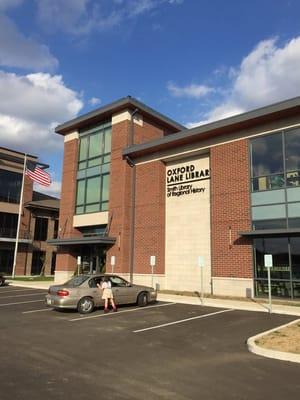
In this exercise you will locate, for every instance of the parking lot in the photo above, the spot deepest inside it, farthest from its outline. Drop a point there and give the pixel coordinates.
(163, 351)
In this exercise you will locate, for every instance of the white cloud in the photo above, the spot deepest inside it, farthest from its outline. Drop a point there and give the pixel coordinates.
(192, 90)
(53, 190)
(5, 4)
(30, 107)
(270, 73)
(81, 17)
(18, 51)
(94, 101)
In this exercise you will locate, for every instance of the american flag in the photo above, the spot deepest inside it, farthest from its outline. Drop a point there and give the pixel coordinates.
(37, 174)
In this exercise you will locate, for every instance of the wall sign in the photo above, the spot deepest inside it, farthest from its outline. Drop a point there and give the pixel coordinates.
(186, 180)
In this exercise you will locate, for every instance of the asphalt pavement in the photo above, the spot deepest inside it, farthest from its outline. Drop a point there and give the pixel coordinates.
(164, 351)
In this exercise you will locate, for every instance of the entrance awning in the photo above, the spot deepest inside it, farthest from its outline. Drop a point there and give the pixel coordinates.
(83, 241)
(271, 232)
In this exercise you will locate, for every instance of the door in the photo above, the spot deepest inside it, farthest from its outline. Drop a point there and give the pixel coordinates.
(123, 292)
(96, 292)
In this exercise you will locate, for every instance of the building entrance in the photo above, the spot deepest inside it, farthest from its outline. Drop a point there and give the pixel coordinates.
(93, 259)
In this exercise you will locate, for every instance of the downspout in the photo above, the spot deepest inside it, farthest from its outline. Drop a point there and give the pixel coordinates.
(133, 195)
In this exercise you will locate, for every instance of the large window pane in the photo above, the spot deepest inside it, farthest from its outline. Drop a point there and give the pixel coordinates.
(278, 288)
(10, 186)
(268, 212)
(105, 188)
(95, 145)
(93, 190)
(278, 247)
(80, 192)
(269, 224)
(295, 257)
(107, 141)
(83, 148)
(93, 169)
(267, 157)
(292, 150)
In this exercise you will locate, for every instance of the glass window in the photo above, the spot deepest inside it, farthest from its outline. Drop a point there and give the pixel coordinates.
(93, 190)
(95, 145)
(10, 186)
(93, 173)
(278, 247)
(41, 229)
(270, 224)
(8, 225)
(117, 281)
(80, 192)
(268, 197)
(268, 212)
(294, 210)
(83, 148)
(267, 156)
(292, 150)
(295, 257)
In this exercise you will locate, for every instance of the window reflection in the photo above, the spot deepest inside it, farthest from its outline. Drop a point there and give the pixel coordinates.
(267, 156)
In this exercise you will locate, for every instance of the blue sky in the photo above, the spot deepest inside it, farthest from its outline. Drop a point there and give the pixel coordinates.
(193, 60)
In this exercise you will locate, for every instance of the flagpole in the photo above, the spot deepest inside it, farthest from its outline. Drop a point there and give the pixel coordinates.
(19, 218)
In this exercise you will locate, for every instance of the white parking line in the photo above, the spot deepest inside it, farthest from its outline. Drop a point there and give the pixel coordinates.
(23, 295)
(33, 311)
(120, 312)
(182, 320)
(21, 302)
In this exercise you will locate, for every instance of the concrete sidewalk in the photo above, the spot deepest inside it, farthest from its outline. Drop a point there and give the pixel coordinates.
(247, 305)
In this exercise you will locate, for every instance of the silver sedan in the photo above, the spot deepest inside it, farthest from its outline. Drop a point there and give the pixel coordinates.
(81, 293)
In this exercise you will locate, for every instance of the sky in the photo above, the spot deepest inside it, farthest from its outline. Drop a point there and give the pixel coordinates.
(195, 61)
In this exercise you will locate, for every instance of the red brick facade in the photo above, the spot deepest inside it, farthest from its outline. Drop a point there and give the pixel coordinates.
(66, 261)
(149, 210)
(230, 210)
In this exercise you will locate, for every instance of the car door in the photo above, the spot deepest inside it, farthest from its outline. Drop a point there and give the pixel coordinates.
(123, 292)
(94, 291)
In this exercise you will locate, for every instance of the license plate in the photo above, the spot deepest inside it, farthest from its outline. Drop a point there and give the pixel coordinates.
(49, 302)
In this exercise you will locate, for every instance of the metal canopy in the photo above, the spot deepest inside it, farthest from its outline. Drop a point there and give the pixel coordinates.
(82, 241)
(271, 232)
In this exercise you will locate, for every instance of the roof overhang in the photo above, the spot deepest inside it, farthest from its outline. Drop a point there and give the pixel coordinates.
(270, 232)
(102, 113)
(83, 241)
(246, 120)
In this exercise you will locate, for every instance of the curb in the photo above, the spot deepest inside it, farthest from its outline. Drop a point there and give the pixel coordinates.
(275, 354)
(28, 285)
(238, 305)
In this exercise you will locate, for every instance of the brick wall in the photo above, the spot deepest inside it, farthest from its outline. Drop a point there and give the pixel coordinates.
(230, 209)
(65, 261)
(149, 202)
(150, 217)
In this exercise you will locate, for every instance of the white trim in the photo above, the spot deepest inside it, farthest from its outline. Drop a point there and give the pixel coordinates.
(71, 136)
(99, 218)
(126, 116)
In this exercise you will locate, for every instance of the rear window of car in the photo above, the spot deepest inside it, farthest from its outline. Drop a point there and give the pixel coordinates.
(76, 281)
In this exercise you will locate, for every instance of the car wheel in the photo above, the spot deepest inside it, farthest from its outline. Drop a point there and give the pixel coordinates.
(2, 281)
(142, 299)
(85, 305)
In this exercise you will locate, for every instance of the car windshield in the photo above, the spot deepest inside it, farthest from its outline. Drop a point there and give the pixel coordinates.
(77, 280)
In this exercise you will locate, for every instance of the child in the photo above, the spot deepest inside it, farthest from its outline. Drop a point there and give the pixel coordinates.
(107, 294)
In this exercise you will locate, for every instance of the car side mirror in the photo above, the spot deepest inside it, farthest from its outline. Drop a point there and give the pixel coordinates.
(128, 284)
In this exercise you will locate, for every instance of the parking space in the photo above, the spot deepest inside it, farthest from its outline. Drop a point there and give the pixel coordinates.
(163, 351)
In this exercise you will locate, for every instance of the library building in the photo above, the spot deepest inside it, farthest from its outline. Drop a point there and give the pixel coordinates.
(183, 209)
